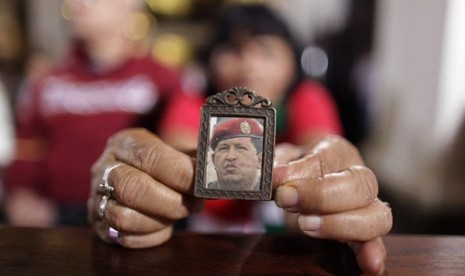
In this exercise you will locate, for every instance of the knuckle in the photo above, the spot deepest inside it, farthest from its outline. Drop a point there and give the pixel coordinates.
(139, 145)
(150, 156)
(130, 190)
(366, 181)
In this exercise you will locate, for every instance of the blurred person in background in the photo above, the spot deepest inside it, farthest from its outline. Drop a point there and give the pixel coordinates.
(65, 118)
(320, 182)
(252, 47)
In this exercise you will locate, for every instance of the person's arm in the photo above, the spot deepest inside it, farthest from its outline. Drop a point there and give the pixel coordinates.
(24, 206)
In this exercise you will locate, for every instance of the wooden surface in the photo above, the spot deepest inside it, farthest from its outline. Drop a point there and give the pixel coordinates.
(78, 252)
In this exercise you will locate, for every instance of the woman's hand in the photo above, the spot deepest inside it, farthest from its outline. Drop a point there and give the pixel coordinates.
(153, 187)
(327, 186)
(335, 197)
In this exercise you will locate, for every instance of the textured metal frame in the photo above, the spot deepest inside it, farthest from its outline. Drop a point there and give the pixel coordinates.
(243, 103)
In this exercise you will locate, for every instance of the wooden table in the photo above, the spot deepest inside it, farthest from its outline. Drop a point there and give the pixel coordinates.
(26, 251)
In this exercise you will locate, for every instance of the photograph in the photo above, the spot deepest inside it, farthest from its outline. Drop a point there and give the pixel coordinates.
(236, 153)
(236, 146)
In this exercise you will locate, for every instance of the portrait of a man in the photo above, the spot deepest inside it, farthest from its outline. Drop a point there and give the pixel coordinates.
(237, 145)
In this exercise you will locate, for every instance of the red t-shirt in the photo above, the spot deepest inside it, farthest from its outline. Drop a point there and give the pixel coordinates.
(74, 110)
(310, 108)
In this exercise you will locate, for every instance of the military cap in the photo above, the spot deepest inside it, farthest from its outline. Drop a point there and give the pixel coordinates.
(236, 127)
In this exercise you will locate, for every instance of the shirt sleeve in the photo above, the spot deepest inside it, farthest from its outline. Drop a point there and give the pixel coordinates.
(27, 168)
(183, 113)
(312, 109)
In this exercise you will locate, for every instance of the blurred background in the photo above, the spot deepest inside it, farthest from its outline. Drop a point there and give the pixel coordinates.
(393, 67)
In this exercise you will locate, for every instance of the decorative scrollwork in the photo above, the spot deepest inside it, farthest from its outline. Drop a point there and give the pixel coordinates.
(238, 97)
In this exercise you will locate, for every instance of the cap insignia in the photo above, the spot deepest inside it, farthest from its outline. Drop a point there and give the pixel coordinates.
(245, 128)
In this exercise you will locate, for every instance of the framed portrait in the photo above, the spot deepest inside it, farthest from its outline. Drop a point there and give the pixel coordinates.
(236, 146)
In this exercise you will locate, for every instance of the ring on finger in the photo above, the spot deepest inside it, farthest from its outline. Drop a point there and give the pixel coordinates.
(105, 187)
(102, 205)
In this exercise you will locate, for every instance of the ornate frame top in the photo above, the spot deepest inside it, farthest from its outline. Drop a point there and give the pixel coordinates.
(238, 97)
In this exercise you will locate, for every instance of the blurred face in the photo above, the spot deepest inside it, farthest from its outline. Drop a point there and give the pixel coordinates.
(95, 18)
(237, 164)
(262, 63)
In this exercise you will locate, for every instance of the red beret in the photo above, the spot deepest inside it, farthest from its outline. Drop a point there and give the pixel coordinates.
(236, 127)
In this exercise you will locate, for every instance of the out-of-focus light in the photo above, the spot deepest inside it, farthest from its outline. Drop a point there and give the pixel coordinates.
(66, 11)
(245, 1)
(139, 26)
(314, 61)
(170, 7)
(172, 50)
(11, 43)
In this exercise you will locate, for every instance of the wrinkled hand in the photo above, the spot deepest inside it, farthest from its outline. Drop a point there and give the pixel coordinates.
(335, 197)
(152, 189)
(328, 186)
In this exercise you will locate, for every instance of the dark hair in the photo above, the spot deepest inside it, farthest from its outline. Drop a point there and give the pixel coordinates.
(252, 19)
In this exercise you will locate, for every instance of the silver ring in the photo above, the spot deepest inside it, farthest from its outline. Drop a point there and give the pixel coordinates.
(105, 187)
(102, 205)
(113, 234)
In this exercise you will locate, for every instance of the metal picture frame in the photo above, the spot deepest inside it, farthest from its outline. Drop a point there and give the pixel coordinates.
(240, 112)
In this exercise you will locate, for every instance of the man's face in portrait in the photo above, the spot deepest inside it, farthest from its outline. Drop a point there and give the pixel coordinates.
(237, 164)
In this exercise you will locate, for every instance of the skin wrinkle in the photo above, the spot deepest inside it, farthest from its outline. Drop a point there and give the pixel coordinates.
(178, 174)
(183, 176)
(366, 190)
(368, 180)
(126, 146)
(135, 154)
(334, 146)
(357, 223)
(150, 157)
(285, 175)
(130, 190)
(329, 189)
(321, 164)
(177, 200)
(170, 200)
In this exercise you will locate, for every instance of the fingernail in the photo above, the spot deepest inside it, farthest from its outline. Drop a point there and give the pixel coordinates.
(286, 197)
(309, 223)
